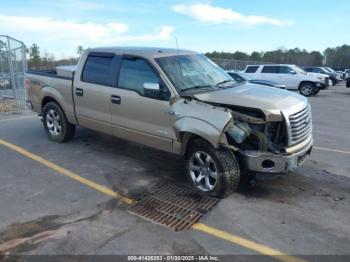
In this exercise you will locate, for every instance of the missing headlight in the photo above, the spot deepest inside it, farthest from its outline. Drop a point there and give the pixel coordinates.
(239, 132)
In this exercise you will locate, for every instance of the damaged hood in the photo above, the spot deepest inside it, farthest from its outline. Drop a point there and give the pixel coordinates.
(254, 96)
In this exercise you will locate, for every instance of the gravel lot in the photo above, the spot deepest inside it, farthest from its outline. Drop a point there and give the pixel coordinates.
(46, 213)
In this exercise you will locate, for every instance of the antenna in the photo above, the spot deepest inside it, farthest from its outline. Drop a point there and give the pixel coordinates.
(177, 45)
(178, 55)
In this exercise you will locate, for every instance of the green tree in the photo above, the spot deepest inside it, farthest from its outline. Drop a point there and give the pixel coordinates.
(34, 56)
(255, 56)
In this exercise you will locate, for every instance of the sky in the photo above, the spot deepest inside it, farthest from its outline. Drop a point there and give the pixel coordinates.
(59, 26)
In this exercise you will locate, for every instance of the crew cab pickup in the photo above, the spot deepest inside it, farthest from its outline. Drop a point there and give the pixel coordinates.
(180, 102)
(292, 76)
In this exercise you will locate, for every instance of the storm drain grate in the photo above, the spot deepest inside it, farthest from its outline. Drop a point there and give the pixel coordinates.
(173, 206)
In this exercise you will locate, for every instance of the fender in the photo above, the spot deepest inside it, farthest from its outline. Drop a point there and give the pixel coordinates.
(200, 119)
(66, 103)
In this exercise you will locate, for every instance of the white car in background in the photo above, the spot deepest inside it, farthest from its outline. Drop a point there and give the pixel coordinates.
(292, 76)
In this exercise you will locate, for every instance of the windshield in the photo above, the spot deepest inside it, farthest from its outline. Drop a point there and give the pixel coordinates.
(189, 72)
(299, 69)
(327, 69)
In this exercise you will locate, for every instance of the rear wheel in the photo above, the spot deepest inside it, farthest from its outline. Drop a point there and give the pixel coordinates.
(55, 123)
(211, 170)
(307, 89)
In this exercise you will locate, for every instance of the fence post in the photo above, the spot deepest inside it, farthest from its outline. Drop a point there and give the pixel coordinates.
(9, 58)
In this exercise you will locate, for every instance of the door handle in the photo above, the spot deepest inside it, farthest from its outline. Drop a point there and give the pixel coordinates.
(79, 92)
(116, 99)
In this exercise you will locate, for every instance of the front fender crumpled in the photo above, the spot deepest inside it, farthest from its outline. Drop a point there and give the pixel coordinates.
(204, 120)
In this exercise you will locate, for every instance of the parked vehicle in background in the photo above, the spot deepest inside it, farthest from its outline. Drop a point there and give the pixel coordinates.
(180, 102)
(5, 81)
(290, 75)
(334, 78)
(342, 73)
(347, 73)
(331, 70)
(242, 77)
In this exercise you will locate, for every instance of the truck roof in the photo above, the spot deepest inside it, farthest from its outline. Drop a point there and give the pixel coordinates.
(150, 52)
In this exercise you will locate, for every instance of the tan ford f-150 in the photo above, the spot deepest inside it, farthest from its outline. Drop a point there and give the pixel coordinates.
(180, 102)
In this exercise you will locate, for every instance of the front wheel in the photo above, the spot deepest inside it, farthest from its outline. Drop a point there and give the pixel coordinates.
(55, 123)
(211, 170)
(307, 89)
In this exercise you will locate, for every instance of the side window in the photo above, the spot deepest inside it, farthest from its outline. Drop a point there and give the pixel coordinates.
(251, 69)
(317, 70)
(270, 70)
(134, 73)
(285, 70)
(98, 70)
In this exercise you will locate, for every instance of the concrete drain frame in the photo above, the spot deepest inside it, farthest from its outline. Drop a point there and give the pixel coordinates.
(174, 206)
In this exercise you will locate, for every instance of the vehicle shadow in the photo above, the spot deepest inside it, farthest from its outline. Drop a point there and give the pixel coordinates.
(130, 168)
(134, 170)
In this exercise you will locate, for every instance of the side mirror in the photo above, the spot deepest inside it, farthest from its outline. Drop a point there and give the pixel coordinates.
(293, 72)
(151, 87)
(155, 90)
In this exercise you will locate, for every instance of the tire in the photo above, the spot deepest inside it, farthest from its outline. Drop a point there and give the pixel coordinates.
(55, 123)
(307, 89)
(317, 91)
(221, 162)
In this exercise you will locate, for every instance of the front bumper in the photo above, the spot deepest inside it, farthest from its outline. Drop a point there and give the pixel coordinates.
(322, 85)
(265, 162)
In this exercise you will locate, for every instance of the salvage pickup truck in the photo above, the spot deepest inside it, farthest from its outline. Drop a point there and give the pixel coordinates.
(180, 102)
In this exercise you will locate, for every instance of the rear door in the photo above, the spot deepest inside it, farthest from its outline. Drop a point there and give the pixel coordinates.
(271, 73)
(92, 91)
(136, 115)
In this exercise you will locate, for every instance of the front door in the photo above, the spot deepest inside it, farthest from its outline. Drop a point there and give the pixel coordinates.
(136, 116)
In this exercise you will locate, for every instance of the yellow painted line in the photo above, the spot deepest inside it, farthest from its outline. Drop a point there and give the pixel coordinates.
(237, 240)
(332, 150)
(66, 172)
(259, 248)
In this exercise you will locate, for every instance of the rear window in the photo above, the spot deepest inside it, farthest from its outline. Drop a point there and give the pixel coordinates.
(251, 69)
(98, 70)
(270, 70)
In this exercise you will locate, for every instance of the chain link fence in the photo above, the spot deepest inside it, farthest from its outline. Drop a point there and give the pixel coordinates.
(12, 75)
(237, 65)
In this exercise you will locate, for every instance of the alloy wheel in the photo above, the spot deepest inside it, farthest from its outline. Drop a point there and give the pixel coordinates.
(53, 122)
(203, 171)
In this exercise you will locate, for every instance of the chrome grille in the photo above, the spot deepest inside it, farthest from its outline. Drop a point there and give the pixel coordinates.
(300, 125)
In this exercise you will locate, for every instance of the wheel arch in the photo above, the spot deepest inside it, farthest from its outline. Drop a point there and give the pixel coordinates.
(305, 82)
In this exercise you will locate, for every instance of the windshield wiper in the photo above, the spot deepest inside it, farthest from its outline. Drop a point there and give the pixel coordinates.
(223, 82)
(197, 87)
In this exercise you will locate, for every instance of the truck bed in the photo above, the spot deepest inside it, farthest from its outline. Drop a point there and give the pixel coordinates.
(52, 73)
(48, 83)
